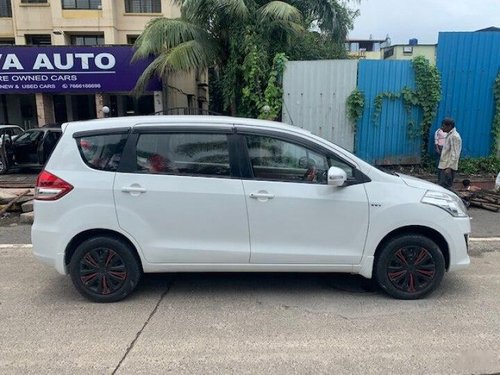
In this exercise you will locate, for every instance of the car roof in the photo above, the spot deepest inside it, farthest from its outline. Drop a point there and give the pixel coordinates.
(44, 129)
(137, 121)
(10, 126)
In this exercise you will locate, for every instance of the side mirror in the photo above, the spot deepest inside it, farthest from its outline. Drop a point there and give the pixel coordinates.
(336, 176)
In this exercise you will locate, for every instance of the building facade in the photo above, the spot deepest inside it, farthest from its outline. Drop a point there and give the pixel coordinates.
(64, 60)
(409, 52)
(365, 48)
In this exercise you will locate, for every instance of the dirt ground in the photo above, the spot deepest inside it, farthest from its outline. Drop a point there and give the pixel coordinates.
(10, 219)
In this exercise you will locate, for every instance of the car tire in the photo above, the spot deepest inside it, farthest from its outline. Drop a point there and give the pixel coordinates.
(104, 269)
(410, 267)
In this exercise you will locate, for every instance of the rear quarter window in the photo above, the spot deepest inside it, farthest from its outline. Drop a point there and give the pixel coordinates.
(102, 152)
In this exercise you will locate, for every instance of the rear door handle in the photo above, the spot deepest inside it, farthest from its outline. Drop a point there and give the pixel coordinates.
(134, 190)
(261, 195)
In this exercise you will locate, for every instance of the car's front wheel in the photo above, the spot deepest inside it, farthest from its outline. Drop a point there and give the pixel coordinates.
(410, 267)
(104, 269)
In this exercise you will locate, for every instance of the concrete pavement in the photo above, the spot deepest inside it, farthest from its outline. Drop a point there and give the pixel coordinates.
(249, 323)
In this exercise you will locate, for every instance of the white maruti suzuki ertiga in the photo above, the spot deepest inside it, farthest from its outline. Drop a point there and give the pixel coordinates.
(124, 196)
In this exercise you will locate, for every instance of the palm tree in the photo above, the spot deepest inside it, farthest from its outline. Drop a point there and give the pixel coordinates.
(229, 34)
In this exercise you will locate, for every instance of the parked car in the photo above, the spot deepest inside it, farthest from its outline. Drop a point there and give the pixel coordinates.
(124, 196)
(30, 149)
(9, 132)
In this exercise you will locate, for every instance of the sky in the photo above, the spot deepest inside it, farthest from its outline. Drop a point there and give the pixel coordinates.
(422, 19)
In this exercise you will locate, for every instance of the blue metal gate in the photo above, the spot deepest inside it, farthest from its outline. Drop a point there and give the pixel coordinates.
(389, 138)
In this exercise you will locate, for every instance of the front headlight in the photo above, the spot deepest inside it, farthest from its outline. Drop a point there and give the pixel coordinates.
(448, 202)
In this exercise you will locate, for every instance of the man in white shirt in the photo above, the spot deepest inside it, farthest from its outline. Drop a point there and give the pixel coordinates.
(450, 155)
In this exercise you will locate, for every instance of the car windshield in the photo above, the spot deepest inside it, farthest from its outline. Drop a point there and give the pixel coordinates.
(29, 136)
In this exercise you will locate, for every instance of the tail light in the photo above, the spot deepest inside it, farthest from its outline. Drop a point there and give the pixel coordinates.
(49, 187)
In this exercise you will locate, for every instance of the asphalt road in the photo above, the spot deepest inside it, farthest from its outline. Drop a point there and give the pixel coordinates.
(249, 323)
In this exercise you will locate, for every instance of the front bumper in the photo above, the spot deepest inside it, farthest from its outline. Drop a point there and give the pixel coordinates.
(458, 242)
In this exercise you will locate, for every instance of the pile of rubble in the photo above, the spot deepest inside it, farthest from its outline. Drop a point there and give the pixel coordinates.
(17, 201)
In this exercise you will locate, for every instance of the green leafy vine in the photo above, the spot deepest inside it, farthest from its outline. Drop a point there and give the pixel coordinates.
(495, 129)
(270, 108)
(355, 106)
(427, 95)
(254, 75)
(379, 101)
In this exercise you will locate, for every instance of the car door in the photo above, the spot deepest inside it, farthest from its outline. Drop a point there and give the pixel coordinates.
(25, 147)
(48, 144)
(294, 216)
(181, 197)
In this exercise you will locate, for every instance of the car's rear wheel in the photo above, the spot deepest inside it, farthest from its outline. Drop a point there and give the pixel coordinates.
(410, 267)
(104, 269)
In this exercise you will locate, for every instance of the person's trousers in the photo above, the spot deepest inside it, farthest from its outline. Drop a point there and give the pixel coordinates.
(446, 180)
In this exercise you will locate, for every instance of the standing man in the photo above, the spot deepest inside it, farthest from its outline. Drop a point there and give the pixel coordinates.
(448, 162)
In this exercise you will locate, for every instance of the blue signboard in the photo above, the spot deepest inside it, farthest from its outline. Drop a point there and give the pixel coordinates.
(70, 69)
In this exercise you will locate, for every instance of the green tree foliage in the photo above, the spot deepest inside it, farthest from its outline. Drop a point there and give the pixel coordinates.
(244, 44)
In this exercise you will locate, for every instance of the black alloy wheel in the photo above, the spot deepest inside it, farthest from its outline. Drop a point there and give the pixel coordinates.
(104, 269)
(410, 267)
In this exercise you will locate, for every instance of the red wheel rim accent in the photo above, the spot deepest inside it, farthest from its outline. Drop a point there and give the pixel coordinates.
(411, 269)
(102, 271)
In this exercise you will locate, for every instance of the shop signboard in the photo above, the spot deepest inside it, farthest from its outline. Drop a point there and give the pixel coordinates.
(70, 69)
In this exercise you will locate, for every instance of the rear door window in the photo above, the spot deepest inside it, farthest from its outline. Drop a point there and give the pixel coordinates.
(189, 154)
(102, 152)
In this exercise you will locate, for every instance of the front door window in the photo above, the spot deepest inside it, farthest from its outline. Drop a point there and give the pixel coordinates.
(277, 160)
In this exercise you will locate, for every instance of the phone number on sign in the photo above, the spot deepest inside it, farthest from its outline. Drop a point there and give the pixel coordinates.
(82, 86)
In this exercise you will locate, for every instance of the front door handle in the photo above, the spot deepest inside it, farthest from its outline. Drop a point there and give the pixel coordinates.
(261, 195)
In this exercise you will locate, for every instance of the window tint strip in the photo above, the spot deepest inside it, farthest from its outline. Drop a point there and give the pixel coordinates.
(181, 129)
(91, 133)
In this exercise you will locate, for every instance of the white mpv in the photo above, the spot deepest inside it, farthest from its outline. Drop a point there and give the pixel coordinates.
(124, 196)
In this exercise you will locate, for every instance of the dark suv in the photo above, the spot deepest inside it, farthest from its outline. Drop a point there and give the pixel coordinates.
(31, 149)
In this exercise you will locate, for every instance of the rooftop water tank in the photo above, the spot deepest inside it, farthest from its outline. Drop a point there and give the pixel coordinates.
(413, 42)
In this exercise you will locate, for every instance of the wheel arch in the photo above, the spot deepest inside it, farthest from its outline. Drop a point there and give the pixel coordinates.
(90, 233)
(430, 233)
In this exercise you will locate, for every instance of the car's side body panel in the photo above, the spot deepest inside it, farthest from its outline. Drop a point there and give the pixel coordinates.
(210, 224)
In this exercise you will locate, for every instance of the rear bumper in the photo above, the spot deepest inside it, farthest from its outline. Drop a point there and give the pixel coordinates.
(46, 249)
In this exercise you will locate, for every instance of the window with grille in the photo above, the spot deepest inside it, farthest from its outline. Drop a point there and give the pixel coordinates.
(81, 4)
(5, 8)
(131, 39)
(34, 1)
(38, 40)
(87, 40)
(142, 6)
